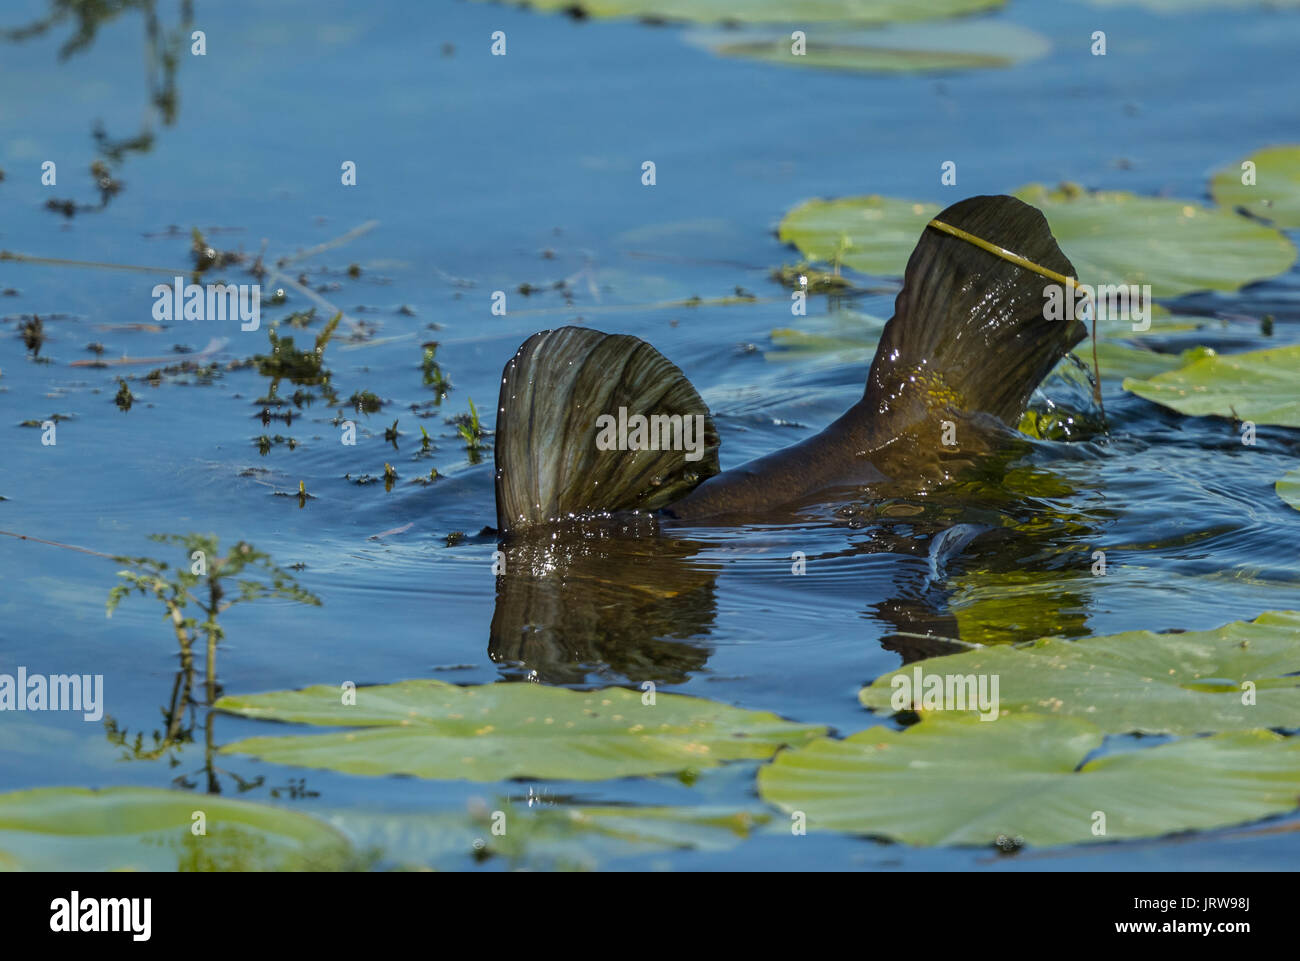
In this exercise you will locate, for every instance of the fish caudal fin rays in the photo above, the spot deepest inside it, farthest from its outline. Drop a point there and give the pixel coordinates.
(591, 423)
(968, 331)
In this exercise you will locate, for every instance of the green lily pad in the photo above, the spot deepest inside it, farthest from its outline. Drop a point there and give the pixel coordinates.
(846, 336)
(1111, 237)
(1162, 324)
(1183, 683)
(874, 234)
(957, 780)
(1288, 488)
(910, 48)
(491, 732)
(1275, 195)
(146, 829)
(769, 11)
(1176, 246)
(1118, 361)
(1187, 6)
(1259, 386)
(546, 837)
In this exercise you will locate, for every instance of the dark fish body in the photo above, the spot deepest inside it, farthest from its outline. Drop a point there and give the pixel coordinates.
(965, 349)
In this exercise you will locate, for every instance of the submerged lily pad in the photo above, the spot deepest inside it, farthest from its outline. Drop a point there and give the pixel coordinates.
(1275, 194)
(910, 48)
(847, 336)
(146, 829)
(1187, 6)
(874, 234)
(1241, 676)
(1288, 488)
(546, 837)
(491, 732)
(958, 780)
(1176, 246)
(768, 11)
(1259, 386)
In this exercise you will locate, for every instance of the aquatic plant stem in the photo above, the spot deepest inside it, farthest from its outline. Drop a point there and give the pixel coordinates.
(66, 547)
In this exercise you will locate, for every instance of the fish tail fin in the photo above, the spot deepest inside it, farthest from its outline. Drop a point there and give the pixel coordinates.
(969, 332)
(591, 423)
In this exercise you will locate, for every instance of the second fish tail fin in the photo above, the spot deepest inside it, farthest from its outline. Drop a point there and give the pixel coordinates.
(970, 332)
(590, 424)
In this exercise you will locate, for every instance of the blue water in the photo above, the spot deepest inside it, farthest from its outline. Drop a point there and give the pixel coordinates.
(486, 173)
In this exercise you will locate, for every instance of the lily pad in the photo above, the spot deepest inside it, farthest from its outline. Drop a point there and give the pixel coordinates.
(1118, 361)
(1182, 683)
(846, 336)
(1288, 488)
(874, 234)
(546, 837)
(1275, 195)
(491, 732)
(909, 48)
(147, 829)
(1259, 386)
(769, 11)
(957, 780)
(1187, 6)
(1176, 246)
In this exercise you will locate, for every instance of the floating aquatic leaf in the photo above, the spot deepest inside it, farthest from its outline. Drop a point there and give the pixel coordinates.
(491, 732)
(958, 780)
(848, 336)
(146, 829)
(874, 234)
(1187, 6)
(1288, 488)
(1241, 676)
(1275, 193)
(769, 11)
(910, 48)
(545, 837)
(1176, 246)
(1120, 326)
(1118, 360)
(1111, 237)
(1259, 386)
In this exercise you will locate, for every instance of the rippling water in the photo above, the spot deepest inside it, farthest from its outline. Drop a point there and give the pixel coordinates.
(486, 173)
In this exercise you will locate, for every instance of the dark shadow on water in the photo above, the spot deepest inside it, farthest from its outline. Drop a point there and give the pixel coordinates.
(628, 600)
(606, 596)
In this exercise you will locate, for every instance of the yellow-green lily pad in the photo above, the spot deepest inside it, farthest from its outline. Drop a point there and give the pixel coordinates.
(769, 11)
(1187, 6)
(1259, 386)
(874, 234)
(1111, 237)
(147, 829)
(1275, 193)
(491, 732)
(1238, 677)
(545, 836)
(1118, 361)
(958, 780)
(1176, 246)
(907, 48)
